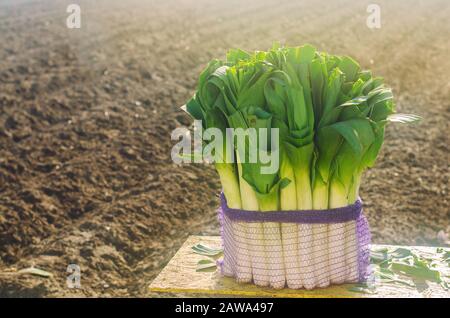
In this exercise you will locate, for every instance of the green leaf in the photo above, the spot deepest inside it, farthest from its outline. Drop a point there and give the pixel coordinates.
(284, 183)
(388, 276)
(379, 256)
(209, 249)
(417, 271)
(357, 132)
(362, 288)
(331, 94)
(206, 251)
(206, 266)
(318, 78)
(401, 252)
(194, 109)
(36, 272)
(350, 68)
(403, 118)
(236, 55)
(355, 101)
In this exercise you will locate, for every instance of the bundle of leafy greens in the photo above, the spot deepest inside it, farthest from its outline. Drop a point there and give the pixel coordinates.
(331, 116)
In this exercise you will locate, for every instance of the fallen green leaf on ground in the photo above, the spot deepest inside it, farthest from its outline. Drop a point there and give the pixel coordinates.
(445, 254)
(205, 265)
(417, 270)
(403, 265)
(35, 271)
(206, 250)
(363, 288)
(388, 276)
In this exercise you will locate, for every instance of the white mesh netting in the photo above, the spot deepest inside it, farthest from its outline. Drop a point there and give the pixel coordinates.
(304, 249)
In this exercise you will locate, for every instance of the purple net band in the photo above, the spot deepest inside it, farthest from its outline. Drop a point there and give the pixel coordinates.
(338, 215)
(363, 237)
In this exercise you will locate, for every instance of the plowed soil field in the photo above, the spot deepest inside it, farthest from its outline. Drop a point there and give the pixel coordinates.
(86, 116)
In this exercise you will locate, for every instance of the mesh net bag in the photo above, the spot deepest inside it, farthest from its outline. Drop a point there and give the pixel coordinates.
(295, 249)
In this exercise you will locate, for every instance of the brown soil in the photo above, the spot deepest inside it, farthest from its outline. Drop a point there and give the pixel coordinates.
(86, 117)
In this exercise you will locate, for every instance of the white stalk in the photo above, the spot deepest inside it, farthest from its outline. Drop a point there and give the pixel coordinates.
(289, 231)
(336, 235)
(320, 232)
(351, 242)
(272, 242)
(254, 236)
(233, 267)
(305, 231)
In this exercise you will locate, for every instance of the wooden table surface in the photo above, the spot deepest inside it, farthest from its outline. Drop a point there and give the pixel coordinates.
(180, 277)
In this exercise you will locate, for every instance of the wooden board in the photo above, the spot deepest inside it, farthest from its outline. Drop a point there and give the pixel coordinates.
(180, 276)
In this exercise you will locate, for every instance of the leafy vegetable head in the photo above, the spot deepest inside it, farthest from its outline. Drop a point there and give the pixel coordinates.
(330, 113)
